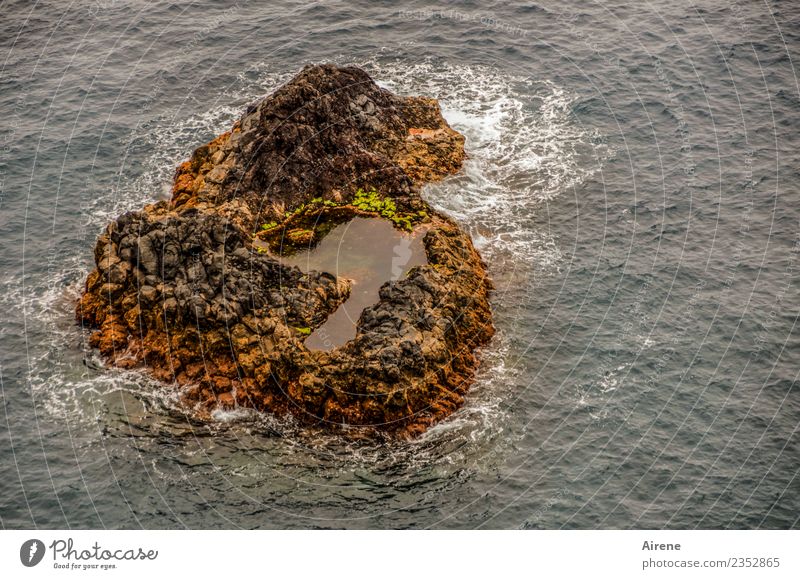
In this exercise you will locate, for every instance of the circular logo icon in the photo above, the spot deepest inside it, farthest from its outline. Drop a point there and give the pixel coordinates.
(31, 552)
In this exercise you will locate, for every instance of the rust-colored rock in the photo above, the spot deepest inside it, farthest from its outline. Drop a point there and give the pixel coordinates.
(190, 289)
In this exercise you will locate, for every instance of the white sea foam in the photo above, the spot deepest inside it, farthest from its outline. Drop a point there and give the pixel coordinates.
(524, 150)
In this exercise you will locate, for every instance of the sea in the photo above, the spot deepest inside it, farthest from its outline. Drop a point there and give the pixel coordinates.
(632, 182)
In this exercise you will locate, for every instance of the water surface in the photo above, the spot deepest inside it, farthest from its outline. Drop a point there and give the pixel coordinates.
(632, 184)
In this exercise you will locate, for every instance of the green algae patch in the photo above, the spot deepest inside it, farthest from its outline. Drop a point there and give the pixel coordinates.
(307, 224)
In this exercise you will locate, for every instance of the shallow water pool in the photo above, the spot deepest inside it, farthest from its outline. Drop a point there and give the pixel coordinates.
(367, 251)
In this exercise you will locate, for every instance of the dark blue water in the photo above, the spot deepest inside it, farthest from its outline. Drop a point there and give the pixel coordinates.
(633, 182)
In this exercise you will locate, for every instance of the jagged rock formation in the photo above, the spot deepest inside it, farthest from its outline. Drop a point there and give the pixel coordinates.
(191, 289)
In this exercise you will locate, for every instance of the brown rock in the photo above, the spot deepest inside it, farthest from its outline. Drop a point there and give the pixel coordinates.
(226, 400)
(185, 288)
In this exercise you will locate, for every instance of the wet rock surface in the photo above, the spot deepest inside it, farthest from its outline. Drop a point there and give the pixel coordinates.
(193, 291)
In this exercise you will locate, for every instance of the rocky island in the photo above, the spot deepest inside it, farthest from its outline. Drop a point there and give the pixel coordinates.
(195, 289)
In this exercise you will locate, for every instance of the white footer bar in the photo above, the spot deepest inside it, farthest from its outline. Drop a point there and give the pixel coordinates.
(406, 554)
